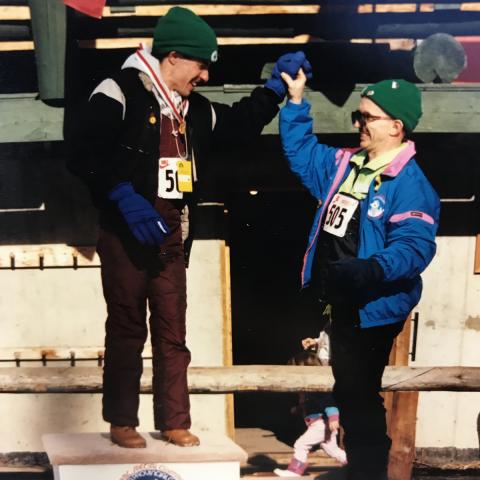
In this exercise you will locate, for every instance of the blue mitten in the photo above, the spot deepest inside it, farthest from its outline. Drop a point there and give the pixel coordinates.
(144, 222)
(289, 63)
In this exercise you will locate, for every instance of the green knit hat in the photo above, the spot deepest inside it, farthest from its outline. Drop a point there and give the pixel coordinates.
(400, 99)
(183, 31)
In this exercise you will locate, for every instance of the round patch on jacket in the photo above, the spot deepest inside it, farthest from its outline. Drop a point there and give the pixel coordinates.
(376, 207)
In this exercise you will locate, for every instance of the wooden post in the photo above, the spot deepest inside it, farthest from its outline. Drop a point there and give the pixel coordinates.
(401, 414)
(49, 25)
(476, 267)
(227, 334)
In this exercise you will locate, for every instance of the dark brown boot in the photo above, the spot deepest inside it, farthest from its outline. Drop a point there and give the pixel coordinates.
(181, 437)
(127, 437)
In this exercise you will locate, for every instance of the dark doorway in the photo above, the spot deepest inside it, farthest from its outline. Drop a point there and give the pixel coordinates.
(268, 235)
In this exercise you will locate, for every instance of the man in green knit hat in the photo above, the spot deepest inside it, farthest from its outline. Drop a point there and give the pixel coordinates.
(142, 149)
(372, 236)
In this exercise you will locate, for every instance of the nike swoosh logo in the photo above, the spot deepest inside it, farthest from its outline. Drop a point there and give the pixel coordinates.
(162, 228)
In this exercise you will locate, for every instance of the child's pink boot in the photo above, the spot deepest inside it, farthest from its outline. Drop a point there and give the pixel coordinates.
(295, 468)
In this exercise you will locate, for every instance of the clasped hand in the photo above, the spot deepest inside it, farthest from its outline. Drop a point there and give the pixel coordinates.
(290, 64)
(296, 86)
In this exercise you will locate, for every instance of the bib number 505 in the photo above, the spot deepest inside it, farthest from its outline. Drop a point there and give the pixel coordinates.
(339, 213)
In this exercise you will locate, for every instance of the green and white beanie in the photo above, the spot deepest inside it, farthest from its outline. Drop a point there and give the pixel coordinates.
(400, 99)
(182, 31)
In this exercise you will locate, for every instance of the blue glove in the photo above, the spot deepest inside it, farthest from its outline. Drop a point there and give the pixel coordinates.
(144, 222)
(289, 63)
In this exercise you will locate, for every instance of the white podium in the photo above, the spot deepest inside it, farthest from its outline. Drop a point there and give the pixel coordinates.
(93, 456)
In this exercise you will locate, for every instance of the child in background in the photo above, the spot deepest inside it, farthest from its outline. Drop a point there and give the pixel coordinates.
(318, 410)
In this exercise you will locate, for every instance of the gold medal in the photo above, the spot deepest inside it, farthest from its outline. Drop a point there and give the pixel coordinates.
(182, 128)
(152, 119)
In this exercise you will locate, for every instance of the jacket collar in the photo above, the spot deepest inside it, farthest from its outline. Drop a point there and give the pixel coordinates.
(399, 162)
(133, 61)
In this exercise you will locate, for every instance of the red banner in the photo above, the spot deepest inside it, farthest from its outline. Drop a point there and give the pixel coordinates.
(93, 8)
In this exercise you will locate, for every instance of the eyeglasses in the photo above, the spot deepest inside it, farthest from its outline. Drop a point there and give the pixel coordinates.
(364, 117)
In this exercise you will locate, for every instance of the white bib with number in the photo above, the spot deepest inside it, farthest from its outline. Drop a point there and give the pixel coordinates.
(174, 177)
(339, 214)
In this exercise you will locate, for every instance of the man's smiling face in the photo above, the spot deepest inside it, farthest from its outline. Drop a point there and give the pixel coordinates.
(188, 73)
(376, 128)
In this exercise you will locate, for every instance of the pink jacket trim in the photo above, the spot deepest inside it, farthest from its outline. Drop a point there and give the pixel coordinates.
(341, 152)
(400, 160)
(412, 214)
(342, 157)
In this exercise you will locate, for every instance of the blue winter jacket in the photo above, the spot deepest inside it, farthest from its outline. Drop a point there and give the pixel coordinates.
(398, 220)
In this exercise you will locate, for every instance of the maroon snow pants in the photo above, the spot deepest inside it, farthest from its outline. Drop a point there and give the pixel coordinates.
(127, 289)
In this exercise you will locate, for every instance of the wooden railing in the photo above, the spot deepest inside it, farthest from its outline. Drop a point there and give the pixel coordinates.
(240, 378)
(402, 382)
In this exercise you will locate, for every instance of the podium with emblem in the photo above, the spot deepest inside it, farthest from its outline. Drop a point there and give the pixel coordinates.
(92, 455)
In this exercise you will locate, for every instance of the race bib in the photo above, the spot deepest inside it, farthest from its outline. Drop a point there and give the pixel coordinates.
(174, 177)
(339, 214)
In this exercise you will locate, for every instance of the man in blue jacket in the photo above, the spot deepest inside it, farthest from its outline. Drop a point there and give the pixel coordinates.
(372, 237)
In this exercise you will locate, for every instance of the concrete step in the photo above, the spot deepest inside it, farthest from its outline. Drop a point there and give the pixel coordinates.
(314, 474)
(93, 455)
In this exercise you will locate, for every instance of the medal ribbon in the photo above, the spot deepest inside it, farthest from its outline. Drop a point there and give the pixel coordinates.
(163, 91)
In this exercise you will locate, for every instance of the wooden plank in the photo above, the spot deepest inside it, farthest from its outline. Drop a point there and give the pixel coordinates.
(24, 118)
(476, 266)
(10, 12)
(14, 13)
(401, 347)
(470, 7)
(398, 356)
(401, 414)
(55, 353)
(403, 427)
(216, 9)
(16, 46)
(427, 7)
(134, 42)
(252, 9)
(395, 8)
(49, 29)
(447, 109)
(227, 332)
(47, 256)
(444, 110)
(240, 378)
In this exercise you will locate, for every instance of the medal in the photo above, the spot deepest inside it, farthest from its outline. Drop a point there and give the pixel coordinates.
(182, 127)
(180, 112)
(163, 94)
